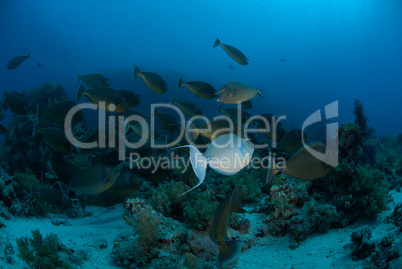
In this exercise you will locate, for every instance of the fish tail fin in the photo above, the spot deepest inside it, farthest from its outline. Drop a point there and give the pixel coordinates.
(217, 42)
(173, 100)
(136, 72)
(199, 164)
(229, 250)
(28, 55)
(80, 91)
(180, 83)
(193, 132)
(259, 93)
(272, 171)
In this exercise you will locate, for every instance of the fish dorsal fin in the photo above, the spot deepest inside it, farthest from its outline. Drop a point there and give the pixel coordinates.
(199, 164)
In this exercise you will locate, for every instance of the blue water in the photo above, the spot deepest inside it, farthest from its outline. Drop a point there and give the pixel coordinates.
(303, 54)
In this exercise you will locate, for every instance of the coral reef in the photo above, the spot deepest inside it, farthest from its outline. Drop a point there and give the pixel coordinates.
(361, 119)
(196, 208)
(396, 216)
(295, 212)
(249, 182)
(380, 253)
(157, 241)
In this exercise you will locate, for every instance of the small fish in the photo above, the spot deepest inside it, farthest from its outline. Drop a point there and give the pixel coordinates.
(17, 61)
(233, 113)
(198, 88)
(167, 121)
(188, 107)
(153, 81)
(291, 141)
(126, 184)
(94, 180)
(58, 112)
(227, 155)
(304, 166)
(229, 248)
(114, 100)
(39, 65)
(17, 103)
(233, 52)
(270, 126)
(55, 138)
(130, 97)
(214, 129)
(65, 171)
(237, 92)
(246, 105)
(94, 80)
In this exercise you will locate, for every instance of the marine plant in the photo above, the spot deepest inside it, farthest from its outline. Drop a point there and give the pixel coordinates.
(39, 252)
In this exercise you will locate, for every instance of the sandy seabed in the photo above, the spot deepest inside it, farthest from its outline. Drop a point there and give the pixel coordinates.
(331, 249)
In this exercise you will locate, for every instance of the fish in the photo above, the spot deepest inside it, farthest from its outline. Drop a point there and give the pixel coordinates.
(126, 183)
(233, 52)
(237, 92)
(94, 80)
(114, 100)
(64, 170)
(17, 61)
(227, 155)
(233, 113)
(57, 198)
(3, 129)
(94, 180)
(137, 128)
(229, 248)
(246, 105)
(303, 165)
(153, 81)
(17, 103)
(198, 88)
(214, 129)
(167, 121)
(55, 138)
(130, 97)
(188, 107)
(270, 126)
(58, 112)
(292, 141)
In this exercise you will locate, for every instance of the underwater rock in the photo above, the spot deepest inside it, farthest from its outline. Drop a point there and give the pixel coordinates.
(363, 245)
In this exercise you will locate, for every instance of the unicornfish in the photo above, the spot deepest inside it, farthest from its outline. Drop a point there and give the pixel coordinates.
(227, 155)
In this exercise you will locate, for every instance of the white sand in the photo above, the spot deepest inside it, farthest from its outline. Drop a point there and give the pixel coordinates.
(321, 250)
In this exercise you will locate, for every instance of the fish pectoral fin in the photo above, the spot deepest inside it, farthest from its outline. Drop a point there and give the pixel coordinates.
(229, 250)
